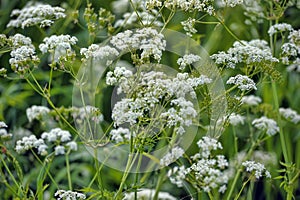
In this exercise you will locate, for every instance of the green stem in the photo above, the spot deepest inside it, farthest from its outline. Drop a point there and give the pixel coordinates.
(68, 171)
(11, 175)
(240, 192)
(47, 170)
(159, 184)
(240, 169)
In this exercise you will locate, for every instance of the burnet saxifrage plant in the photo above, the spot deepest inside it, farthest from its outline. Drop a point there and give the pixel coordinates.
(139, 125)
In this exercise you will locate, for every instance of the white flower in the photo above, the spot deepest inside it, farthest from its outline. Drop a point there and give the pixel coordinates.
(207, 144)
(172, 156)
(22, 54)
(188, 26)
(2, 124)
(98, 53)
(290, 114)
(59, 150)
(235, 119)
(25, 143)
(187, 60)
(266, 124)
(127, 110)
(36, 112)
(4, 134)
(252, 52)
(34, 14)
(294, 37)
(257, 168)
(69, 195)
(279, 28)
(42, 149)
(231, 3)
(148, 40)
(118, 135)
(251, 100)
(60, 45)
(145, 193)
(177, 175)
(243, 82)
(57, 134)
(72, 145)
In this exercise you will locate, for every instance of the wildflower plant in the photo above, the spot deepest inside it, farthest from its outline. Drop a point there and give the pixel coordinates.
(149, 99)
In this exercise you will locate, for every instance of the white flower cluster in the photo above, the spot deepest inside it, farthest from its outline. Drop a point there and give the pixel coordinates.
(290, 51)
(152, 88)
(120, 76)
(231, 3)
(187, 60)
(4, 135)
(263, 157)
(148, 40)
(22, 54)
(266, 124)
(31, 142)
(188, 26)
(36, 112)
(254, 11)
(69, 195)
(60, 138)
(290, 114)
(36, 14)
(145, 193)
(180, 117)
(172, 156)
(120, 134)
(252, 52)
(251, 100)
(100, 53)
(236, 119)
(256, 168)
(282, 27)
(127, 111)
(243, 82)
(59, 45)
(186, 5)
(207, 169)
(3, 124)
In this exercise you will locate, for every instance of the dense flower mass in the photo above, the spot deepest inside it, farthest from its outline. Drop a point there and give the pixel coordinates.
(99, 53)
(36, 14)
(172, 156)
(59, 45)
(243, 82)
(279, 28)
(23, 53)
(145, 193)
(69, 195)
(252, 52)
(251, 100)
(266, 124)
(58, 138)
(148, 40)
(290, 114)
(36, 112)
(257, 169)
(152, 89)
(207, 169)
(187, 60)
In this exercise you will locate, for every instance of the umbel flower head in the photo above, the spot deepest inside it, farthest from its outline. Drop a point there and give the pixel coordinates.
(23, 54)
(36, 14)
